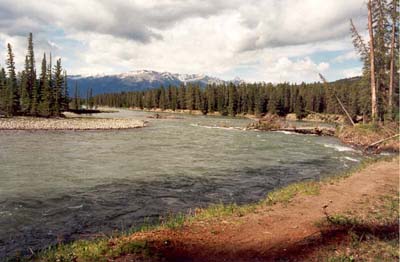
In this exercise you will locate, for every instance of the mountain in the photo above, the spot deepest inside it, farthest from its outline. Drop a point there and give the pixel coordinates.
(137, 81)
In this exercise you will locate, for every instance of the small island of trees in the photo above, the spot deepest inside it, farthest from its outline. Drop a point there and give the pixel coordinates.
(27, 93)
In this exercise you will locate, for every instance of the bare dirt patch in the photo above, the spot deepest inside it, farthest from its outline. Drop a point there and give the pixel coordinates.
(283, 232)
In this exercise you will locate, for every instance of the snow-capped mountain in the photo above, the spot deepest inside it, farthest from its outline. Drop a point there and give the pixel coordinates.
(138, 80)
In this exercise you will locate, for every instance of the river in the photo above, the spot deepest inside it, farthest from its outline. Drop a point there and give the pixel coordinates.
(62, 185)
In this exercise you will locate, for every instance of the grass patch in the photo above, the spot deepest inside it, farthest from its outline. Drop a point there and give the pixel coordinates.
(221, 210)
(93, 250)
(173, 221)
(286, 194)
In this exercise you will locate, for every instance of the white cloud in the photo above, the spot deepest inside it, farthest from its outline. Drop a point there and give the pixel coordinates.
(270, 40)
(285, 69)
(351, 55)
(351, 72)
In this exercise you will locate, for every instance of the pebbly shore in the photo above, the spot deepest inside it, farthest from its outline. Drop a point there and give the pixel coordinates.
(31, 123)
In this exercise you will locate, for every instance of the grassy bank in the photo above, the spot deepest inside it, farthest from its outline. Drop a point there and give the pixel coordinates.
(113, 247)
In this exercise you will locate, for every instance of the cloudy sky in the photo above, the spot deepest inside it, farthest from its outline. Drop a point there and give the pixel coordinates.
(256, 40)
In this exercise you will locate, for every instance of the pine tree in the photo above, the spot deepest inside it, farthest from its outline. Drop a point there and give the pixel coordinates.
(232, 107)
(190, 99)
(65, 95)
(12, 99)
(57, 89)
(300, 108)
(75, 102)
(91, 101)
(162, 100)
(25, 99)
(198, 102)
(45, 99)
(33, 88)
(3, 91)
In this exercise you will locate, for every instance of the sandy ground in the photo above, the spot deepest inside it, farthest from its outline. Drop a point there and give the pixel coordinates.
(271, 232)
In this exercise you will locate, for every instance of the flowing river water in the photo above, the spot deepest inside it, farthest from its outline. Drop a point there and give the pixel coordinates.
(62, 185)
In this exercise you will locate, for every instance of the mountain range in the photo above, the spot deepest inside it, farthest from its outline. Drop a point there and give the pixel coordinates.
(137, 81)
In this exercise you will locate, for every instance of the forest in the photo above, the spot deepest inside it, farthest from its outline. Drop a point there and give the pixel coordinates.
(254, 98)
(25, 93)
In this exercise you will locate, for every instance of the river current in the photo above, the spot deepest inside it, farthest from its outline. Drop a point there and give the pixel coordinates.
(62, 185)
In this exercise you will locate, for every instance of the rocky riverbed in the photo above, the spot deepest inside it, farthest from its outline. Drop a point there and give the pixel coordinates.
(86, 123)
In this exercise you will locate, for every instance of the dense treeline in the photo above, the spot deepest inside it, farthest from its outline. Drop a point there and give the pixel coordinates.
(25, 93)
(256, 99)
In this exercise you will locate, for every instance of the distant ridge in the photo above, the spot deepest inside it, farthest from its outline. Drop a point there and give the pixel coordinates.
(138, 80)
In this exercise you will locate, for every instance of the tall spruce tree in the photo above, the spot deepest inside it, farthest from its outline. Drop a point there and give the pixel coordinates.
(75, 101)
(33, 88)
(65, 94)
(57, 88)
(3, 91)
(12, 99)
(232, 106)
(45, 98)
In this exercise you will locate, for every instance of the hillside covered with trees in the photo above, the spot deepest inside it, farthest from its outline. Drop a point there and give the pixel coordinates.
(29, 93)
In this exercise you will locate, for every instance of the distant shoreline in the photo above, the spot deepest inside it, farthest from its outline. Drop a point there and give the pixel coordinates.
(74, 124)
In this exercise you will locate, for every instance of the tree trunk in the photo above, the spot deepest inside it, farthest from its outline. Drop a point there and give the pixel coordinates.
(374, 107)
(391, 80)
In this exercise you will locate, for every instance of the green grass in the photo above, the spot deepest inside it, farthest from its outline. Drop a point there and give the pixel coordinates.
(93, 250)
(286, 194)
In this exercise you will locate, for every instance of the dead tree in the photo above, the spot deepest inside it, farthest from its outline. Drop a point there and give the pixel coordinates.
(337, 98)
(392, 58)
(374, 105)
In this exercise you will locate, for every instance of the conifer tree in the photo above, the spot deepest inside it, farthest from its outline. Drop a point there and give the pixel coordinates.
(3, 91)
(12, 99)
(162, 100)
(57, 89)
(65, 95)
(91, 101)
(300, 108)
(45, 98)
(33, 88)
(232, 107)
(75, 103)
(24, 91)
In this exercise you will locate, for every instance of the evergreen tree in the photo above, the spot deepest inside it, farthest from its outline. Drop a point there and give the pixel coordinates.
(65, 95)
(33, 88)
(162, 100)
(25, 99)
(75, 101)
(3, 91)
(45, 99)
(91, 100)
(58, 87)
(232, 108)
(12, 99)
(300, 108)
(198, 101)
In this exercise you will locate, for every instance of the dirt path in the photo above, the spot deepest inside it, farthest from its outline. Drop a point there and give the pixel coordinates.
(271, 231)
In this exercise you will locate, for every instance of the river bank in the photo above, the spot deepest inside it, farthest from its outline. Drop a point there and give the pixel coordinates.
(302, 222)
(73, 123)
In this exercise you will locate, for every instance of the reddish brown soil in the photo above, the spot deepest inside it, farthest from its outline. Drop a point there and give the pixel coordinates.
(272, 233)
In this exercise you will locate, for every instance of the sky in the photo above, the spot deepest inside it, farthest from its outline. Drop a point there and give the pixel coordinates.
(255, 40)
